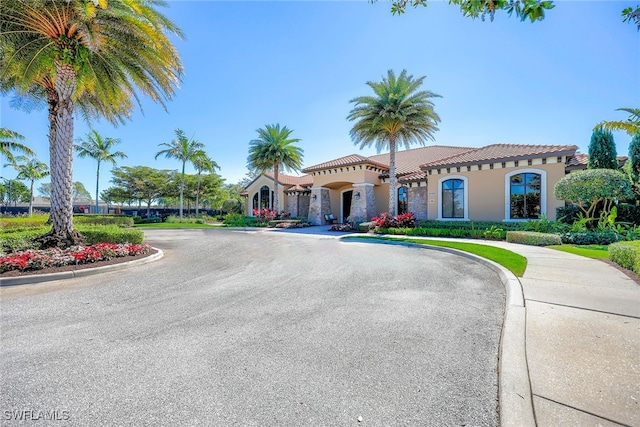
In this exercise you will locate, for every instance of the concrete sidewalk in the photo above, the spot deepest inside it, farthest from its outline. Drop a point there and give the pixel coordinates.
(582, 339)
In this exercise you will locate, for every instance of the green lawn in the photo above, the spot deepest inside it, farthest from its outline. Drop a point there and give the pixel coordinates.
(510, 260)
(174, 225)
(589, 251)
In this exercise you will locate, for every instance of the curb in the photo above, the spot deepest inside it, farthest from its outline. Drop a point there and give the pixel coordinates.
(39, 278)
(514, 386)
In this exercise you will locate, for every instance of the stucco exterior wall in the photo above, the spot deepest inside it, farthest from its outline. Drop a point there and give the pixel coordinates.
(332, 179)
(488, 194)
(255, 187)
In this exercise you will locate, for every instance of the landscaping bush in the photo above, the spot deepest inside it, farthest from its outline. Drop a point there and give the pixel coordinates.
(147, 220)
(174, 219)
(626, 254)
(239, 220)
(533, 238)
(7, 222)
(493, 234)
(626, 213)
(21, 240)
(544, 225)
(629, 213)
(110, 234)
(119, 220)
(470, 225)
(406, 220)
(364, 227)
(567, 214)
(591, 238)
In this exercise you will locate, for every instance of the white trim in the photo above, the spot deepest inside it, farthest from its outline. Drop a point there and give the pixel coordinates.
(507, 192)
(465, 180)
(363, 184)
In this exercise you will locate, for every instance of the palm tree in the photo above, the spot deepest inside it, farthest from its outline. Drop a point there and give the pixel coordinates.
(183, 149)
(99, 149)
(274, 149)
(397, 113)
(33, 170)
(203, 163)
(94, 55)
(631, 125)
(9, 142)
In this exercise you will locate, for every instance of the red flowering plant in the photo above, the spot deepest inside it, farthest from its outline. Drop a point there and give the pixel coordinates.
(264, 215)
(37, 260)
(406, 220)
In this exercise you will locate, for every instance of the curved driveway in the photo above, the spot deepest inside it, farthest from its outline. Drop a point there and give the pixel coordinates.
(257, 328)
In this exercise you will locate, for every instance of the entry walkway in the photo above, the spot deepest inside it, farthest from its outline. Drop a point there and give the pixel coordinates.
(582, 337)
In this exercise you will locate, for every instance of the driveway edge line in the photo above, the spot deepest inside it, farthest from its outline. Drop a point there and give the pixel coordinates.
(39, 278)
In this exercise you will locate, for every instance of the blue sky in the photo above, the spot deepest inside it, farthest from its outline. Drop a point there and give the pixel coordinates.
(298, 63)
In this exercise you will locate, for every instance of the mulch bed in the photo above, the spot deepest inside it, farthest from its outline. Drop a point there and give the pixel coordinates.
(112, 261)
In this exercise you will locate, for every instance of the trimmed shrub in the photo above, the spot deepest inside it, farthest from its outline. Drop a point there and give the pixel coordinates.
(239, 220)
(110, 234)
(470, 225)
(148, 220)
(533, 238)
(626, 254)
(364, 227)
(493, 234)
(591, 238)
(119, 220)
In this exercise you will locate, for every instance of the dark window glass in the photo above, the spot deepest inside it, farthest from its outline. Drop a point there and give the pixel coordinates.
(255, 201)
(403, 200)
(265, 203)
(525, 196)
(453, 198)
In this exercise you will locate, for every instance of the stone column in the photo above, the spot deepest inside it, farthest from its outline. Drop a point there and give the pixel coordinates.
(417, 203)
(292, 203)
(319, 205)
(363, 202)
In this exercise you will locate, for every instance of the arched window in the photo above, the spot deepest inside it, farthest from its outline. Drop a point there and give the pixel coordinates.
(266, 197)
(525, 196)
(452, 196)
(255, 201)
(403, 200)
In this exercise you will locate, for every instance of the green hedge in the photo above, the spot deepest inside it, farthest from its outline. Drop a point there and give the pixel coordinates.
(591, 238)
(110, 234)
(626, 254)
(239, 220)
(490, 233)
(469, 225)
(149, 220)
(119, 220)
(533, 238)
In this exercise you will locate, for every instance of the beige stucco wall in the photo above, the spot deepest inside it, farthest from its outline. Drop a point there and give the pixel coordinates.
(486, 190)
(255, 187)
(333, 180)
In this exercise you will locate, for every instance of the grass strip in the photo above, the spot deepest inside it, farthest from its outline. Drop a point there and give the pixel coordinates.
(589, 251)
(512, 261)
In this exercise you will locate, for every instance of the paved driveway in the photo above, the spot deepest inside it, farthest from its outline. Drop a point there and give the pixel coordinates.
(236, 328)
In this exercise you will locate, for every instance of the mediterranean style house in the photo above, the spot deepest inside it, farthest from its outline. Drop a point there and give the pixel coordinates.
(499, 182)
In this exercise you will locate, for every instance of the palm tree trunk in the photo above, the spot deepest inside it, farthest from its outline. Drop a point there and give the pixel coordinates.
(97, 184)
(31, 199)
(276, 173)
(61, 143)
(198, 194)
(182, 187)
(392, 175)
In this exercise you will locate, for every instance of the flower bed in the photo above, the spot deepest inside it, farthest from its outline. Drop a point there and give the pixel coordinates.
(38, 260)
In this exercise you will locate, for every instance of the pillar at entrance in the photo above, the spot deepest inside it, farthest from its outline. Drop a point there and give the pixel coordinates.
(363, 203)
(319, 205)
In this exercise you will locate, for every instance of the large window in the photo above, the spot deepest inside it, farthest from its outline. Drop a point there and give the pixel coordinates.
(525, 196)
(452, 196)
(263, 199)
(403, 200)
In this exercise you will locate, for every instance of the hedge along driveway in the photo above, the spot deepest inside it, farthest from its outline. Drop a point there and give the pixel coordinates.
(512, 261)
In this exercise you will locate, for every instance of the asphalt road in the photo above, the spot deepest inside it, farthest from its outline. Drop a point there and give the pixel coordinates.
(264, 329)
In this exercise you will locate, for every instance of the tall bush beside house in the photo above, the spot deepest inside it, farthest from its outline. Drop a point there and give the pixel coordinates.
(602, 150)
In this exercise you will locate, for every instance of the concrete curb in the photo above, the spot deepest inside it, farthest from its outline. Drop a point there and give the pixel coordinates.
(514, 385)
(39, 278)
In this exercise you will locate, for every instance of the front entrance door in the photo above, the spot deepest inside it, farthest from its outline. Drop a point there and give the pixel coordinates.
(346, 205)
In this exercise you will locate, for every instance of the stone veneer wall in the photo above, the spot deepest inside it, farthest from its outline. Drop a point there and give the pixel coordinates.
(319, 207)
(292, 204)
(303, 205)
(363, 208)
(418, 202)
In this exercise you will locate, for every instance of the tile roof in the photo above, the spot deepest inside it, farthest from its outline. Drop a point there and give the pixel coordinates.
(288, 180)
(297, 187)
(580, 161)
(501, 152)
(409, 161)
(350, 160)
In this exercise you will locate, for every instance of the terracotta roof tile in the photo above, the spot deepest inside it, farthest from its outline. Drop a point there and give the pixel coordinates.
(501, 152)
(409, 161)
(297, 187)
(283, 179)
(580, 161)
(350, 160)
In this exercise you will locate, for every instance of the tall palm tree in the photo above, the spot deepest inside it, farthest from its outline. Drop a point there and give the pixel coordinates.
(31, 169)
(203, 163)
(183, 149)
(274, 149)
(9, 142)
(398, 113)
(99, 149)
(92, 54)
(630, 126)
